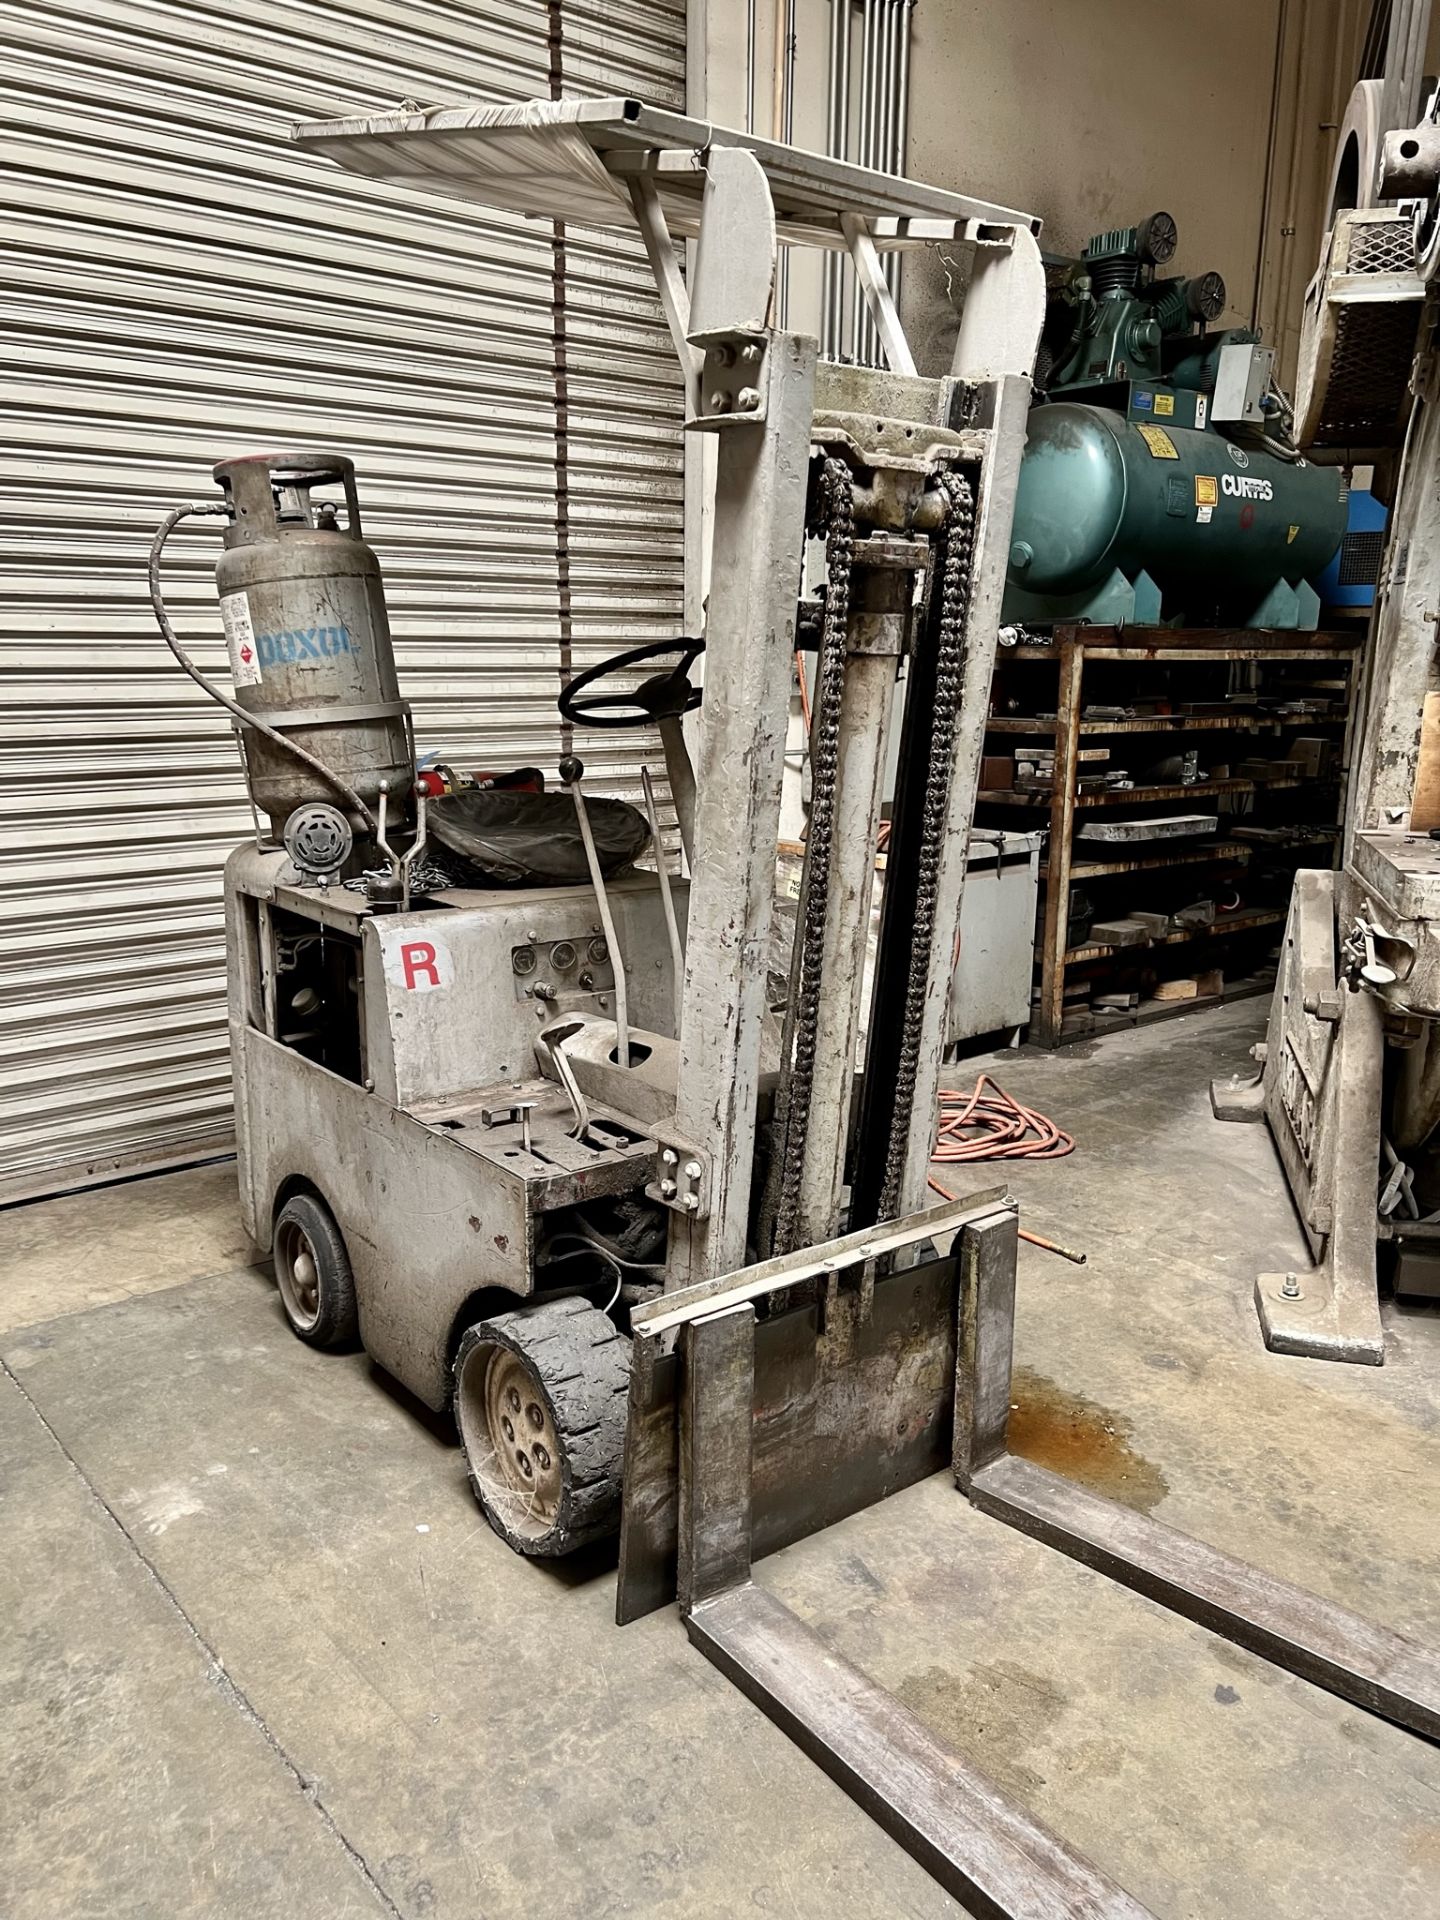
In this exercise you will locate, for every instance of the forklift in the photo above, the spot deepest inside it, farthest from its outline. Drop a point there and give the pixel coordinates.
(511, 1107)
(497, 1085)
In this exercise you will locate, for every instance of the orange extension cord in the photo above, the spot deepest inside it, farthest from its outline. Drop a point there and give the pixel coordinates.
(982, 1125)
(993, 1126)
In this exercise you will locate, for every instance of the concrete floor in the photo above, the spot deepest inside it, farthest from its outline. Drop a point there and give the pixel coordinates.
(261, 1656)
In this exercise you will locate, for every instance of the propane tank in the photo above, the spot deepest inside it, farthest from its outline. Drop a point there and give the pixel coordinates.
(304, 612)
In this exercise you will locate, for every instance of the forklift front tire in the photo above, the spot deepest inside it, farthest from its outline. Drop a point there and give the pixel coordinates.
(312, 1271)
(540, 1400)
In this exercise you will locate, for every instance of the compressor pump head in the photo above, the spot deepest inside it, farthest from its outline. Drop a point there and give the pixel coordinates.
(1112, 315)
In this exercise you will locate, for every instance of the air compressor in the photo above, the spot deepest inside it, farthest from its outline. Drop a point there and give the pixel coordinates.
(1159, 483)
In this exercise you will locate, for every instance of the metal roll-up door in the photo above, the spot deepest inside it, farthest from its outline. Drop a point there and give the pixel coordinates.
(184, 284)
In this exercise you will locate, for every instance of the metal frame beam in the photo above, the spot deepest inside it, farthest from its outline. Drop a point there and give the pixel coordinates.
(1008, 400)
(878, 632)
(669, 283)
(761, 474)
(870, 277)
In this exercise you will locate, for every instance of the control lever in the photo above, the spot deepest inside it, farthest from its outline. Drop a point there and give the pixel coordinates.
(662, 866)
(1373, 972)
(520, 1110)
(390, 891)
(1379, 958)
(414, 850)
(553, 1039)
(572, 772)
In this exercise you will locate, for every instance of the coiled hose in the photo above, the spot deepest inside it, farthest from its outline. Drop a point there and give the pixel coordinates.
(990, 1125)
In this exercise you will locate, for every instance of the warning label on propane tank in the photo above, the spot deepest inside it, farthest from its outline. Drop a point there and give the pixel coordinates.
(240, 639)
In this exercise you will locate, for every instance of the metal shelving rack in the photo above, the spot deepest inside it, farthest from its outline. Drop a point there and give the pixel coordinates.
(1073, 649)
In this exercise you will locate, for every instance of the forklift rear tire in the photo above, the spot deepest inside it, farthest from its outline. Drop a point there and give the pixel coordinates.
(540, 1399)
(312, 1271)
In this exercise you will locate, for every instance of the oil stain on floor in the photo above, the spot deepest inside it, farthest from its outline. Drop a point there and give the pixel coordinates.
(1082, 1441)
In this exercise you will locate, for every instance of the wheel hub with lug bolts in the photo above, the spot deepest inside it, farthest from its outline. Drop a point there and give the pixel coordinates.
(298, 1275)
(524, 1459)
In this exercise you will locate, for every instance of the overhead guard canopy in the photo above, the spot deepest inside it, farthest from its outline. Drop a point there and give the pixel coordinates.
(572, 160)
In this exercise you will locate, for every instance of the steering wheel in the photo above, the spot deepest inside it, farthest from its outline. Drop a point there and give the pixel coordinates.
(661, 697)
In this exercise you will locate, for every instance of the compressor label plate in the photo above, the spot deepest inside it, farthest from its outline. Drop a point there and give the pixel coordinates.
(240, 639)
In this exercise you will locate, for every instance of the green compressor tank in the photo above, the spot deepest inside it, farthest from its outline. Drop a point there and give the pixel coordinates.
(1119, 520)
(1157, 484)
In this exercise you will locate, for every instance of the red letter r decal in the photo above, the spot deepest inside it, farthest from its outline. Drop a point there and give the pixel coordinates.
(418, 960)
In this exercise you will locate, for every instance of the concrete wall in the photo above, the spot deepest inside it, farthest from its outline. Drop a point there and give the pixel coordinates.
(1090, 113)
(1093, 115)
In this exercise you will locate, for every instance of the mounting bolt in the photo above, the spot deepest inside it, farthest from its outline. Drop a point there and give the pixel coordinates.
(750, 352)
(748, 399)
(691, 1203)
(693, 1169)
(719, 402)
(667, 1189)
(1290, 1287)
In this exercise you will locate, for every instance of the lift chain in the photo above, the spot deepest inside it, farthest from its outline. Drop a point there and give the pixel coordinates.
(838, 519)
(958, 542)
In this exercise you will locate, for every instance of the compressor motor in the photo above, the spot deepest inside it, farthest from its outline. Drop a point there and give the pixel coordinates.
(1159, 483)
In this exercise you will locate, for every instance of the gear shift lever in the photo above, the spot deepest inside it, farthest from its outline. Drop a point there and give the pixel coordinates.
(572, 772)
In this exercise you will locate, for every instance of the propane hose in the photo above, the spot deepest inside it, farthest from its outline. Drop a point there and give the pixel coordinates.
(172, 640)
